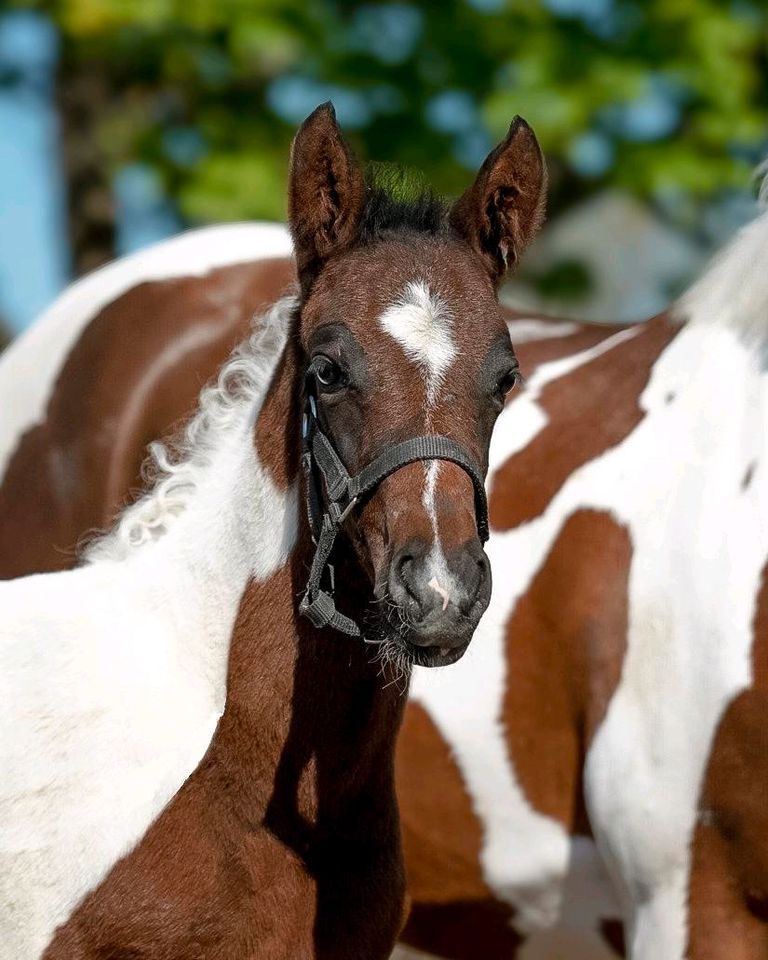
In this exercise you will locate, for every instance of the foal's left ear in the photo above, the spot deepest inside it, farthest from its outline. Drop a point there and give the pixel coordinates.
(325, 195)
(500, 213)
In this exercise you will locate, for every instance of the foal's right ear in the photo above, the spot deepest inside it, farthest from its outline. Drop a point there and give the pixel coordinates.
(325, 194)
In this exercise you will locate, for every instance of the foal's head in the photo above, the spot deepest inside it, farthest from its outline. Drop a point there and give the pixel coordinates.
(402, 334)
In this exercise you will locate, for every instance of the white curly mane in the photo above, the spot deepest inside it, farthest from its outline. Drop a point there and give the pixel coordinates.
(178, 466)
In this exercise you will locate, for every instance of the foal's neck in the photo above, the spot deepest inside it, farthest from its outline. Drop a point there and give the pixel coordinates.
(215, 520)
(229, 573)
(310, 722)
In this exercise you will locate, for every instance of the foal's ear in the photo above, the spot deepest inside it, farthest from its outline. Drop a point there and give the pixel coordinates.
(325, 193)
(500, 213)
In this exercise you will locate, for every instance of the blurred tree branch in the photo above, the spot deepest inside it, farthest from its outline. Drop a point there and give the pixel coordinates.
(84, 98)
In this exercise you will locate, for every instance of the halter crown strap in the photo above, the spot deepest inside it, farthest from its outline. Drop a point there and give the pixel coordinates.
(343, 492)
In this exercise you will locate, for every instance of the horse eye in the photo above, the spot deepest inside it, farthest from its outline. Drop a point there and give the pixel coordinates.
(328, 374)
(508, 381)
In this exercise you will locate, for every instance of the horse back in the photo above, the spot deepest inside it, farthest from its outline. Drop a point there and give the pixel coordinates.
(122, 376)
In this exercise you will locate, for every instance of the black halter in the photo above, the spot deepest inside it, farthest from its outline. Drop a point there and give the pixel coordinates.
(343, 493)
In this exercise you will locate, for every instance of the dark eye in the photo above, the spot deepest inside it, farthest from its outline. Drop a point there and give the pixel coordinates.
(508, 381)
(328, 374)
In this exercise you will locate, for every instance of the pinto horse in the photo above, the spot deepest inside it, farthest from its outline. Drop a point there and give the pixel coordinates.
(191, 769)
(592, 779)
(604, 757)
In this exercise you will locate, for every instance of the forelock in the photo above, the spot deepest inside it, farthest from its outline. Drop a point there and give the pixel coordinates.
(399, 201)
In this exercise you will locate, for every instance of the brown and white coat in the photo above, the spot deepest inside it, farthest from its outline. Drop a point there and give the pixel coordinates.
(190, 768)
(599, 757)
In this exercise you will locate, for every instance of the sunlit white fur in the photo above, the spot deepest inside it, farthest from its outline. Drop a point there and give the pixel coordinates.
(699, 543)
(30, 366)
(113, 676)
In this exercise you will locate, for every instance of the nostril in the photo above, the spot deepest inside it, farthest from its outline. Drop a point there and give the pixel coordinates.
(404, 568)
(477, 573)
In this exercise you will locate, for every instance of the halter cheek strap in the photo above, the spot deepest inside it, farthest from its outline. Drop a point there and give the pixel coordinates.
(344, 492)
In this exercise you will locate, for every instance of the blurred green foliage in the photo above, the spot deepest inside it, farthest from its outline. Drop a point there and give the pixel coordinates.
(663, 97)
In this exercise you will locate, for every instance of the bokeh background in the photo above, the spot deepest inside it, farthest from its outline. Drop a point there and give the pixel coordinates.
(125, 121)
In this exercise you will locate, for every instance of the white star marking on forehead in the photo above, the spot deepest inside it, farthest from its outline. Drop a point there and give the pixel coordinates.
(423, 326)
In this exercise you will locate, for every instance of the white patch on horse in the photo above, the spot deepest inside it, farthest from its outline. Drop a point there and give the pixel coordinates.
(435, 585)
(30, 366)
(527, 330)
(124, 660)
(423, 326)
(699, 544)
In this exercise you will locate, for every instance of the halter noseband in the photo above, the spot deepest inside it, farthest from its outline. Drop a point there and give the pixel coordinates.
(343, 492)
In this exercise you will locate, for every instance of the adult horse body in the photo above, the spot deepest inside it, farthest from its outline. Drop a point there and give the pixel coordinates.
(191, 769)
(619, 687)
(618, 691)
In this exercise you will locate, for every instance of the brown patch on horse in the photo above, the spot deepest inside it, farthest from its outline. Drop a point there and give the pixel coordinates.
(728, 892)
(442, 836)
(454, 913)
(588, 411)
(114, 394)
(566, 642)
(279, 424)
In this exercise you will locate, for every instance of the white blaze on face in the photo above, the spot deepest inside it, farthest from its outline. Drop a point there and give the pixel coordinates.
(423, 326)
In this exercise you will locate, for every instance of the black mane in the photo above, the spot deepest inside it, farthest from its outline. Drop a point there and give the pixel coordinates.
(399, 201)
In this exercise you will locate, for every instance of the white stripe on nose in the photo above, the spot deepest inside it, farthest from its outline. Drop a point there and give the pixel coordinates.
(434, 583)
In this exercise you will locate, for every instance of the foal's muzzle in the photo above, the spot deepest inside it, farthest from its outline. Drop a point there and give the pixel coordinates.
(442, 596)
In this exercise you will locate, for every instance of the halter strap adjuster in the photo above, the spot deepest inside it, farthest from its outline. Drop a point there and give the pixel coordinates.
(340, 514)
